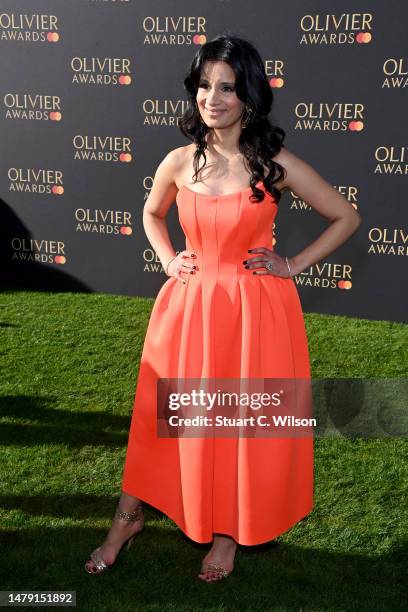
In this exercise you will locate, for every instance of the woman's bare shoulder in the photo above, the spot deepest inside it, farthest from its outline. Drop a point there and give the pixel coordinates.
(289, 162)
(176, 157)
(181, 159)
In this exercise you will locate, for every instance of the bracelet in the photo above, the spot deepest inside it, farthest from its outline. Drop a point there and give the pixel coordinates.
(166, 268)
(290, 271)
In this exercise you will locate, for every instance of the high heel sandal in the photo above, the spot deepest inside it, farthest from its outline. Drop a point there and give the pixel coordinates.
(96, 558)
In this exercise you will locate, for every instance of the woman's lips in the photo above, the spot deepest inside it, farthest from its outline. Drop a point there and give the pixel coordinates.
(215, 113)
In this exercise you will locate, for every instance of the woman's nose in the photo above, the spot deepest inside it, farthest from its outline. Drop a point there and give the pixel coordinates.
(212, 96)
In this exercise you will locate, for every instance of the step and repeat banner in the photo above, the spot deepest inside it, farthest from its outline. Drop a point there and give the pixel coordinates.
(91, 93)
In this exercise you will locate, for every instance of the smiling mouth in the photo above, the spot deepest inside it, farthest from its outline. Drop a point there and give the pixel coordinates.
(217, 112)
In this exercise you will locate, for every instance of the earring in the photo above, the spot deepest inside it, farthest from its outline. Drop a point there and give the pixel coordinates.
(248, 117)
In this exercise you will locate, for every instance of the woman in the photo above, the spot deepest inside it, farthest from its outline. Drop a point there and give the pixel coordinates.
(224, 313)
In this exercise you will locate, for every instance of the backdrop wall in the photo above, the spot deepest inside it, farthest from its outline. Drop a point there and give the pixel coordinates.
(91, 92)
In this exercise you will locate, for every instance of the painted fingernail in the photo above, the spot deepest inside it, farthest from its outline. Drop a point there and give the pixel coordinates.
(244, 262)
(249, 250)
(247, 267)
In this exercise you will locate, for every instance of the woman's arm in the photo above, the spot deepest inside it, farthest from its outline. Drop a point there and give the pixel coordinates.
(157, 205)
(303, 180)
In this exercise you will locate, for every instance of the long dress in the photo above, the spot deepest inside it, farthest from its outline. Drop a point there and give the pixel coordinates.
(224, 322)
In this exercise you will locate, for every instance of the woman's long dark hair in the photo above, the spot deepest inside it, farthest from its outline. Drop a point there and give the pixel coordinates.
(260, 141)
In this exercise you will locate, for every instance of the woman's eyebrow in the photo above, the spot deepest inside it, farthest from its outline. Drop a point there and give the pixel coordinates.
(222, 83)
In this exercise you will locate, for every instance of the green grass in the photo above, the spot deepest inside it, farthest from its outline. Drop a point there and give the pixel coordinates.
(69, 367)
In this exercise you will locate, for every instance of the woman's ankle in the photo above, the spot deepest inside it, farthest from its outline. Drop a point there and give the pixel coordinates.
(128, 503)
(220, 538)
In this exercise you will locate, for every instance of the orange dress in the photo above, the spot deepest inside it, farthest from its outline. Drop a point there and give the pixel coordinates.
(225, 322)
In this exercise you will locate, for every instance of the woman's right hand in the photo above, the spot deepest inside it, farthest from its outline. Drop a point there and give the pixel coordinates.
(180, 265)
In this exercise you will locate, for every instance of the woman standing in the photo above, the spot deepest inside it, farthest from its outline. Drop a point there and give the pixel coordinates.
(230, 309)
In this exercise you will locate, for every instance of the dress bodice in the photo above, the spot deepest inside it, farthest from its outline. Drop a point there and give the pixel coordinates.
(220, 229)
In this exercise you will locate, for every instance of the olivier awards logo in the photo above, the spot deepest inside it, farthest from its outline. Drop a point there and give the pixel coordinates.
(391, 160)
(274, 70)
(395, 73)
(163, 112)
(38, 251)
(387, 241)
(104, 222)
(348, 191)
(32, 107)
(345, 28)
(31, 180)
(29, 28)
(101, 71)
(102, 148)
(181, 30)
(332, 117)
(326, 276)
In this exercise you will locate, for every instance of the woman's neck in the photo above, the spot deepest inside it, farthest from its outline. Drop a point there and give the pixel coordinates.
(224, 143)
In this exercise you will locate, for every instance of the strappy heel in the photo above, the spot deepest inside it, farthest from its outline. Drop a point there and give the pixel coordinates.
(96, 559)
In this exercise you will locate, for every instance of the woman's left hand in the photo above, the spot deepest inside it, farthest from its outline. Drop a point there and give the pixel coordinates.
(267, 256)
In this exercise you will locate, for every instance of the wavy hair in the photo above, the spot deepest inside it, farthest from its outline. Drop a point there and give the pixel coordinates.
(259, 141)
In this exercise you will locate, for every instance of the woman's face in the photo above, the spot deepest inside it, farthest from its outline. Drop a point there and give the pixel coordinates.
(217, 101)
